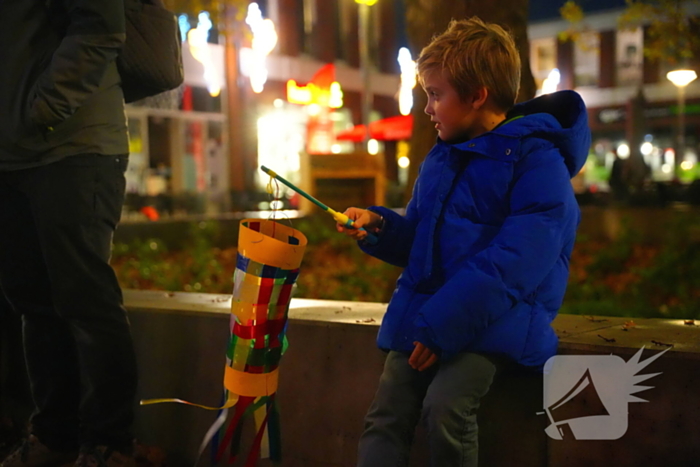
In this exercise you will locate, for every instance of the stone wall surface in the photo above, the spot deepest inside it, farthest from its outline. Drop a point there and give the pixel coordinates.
(330, 372)
(331, 369)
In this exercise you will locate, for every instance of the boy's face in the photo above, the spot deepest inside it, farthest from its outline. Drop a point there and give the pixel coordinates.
(456, 119)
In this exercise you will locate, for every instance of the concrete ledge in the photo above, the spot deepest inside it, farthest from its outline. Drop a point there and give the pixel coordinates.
(331, 369)
(576, 333)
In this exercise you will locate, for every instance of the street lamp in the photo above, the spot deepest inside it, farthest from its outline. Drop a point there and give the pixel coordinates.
(363, 33)
(681, 79)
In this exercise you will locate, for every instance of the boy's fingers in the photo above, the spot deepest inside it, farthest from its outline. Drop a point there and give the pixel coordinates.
(351, 232)
(422, 357)
(359, 219)
(430, 362)
(353, 213)
(419, 355)
(359, 216)
(414, 357)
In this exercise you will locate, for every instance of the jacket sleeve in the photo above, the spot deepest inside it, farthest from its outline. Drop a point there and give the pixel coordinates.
(396, 237)
(94, 36)
(542, 217)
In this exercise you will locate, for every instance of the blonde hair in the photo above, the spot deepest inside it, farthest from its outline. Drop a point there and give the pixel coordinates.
(475, 54)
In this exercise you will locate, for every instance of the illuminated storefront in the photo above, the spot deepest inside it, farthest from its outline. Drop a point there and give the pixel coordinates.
(178, 146)
(196, 150)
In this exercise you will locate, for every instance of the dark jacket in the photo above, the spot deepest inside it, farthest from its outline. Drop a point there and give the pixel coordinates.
(487, 237)
(60, 92)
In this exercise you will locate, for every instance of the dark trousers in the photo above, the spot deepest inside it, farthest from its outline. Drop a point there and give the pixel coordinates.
(56, 227)
(446, 396)
(15, 400)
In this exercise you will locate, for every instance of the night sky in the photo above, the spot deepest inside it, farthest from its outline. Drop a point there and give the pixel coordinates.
(542, 10)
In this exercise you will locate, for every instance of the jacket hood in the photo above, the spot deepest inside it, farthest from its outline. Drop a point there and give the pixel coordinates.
(559, 117)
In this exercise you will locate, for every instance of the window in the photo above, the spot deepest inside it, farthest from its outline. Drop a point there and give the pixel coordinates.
(543, 58)
(587, 59)
(629, 57)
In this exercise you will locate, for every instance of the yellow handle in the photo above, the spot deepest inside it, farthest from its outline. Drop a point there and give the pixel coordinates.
(341, 218)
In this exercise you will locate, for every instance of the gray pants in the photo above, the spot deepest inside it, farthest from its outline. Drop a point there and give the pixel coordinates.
(446, 396)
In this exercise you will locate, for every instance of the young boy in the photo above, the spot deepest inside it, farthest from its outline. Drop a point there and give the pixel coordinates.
(485, 243)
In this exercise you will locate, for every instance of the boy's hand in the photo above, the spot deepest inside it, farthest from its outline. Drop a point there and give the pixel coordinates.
(362, 218)
(422, 357)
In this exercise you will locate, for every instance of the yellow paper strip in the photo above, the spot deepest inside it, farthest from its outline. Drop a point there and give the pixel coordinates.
(252, 279)
(263, 248)
(232, 400)
(247, 293)
(251, 384)
(246, 312)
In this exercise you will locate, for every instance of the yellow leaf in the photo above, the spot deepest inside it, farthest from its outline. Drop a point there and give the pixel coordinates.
(571, 12)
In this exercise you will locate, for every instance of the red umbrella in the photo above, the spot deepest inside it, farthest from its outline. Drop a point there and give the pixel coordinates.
(388, 129)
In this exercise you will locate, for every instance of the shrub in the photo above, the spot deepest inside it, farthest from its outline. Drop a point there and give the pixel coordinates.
(631, 277)
(624, 277)
(333, 267)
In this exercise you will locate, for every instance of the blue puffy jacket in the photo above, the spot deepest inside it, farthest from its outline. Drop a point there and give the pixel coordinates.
(487, 237)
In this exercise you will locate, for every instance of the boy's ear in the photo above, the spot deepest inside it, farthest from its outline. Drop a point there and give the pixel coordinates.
(479, 97)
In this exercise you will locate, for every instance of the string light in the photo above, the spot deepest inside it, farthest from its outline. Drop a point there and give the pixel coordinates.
(197, 39)
(264, 41)
(408, 80)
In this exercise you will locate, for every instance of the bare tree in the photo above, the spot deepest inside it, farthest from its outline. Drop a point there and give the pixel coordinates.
(426, 18)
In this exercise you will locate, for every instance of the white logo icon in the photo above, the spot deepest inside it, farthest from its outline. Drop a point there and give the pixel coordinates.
(586, 396)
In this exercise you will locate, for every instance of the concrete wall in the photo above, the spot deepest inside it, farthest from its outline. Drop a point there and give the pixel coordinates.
(330, 372)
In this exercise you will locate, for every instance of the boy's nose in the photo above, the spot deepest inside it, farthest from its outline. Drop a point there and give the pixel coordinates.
(428, 110)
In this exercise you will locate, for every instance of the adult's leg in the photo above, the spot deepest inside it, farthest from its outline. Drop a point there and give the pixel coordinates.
(16, 404)
(76, 205)
(51, 359)
(450, 407)
(392, 417)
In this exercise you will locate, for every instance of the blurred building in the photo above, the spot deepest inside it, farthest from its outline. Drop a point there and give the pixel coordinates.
(632, 105)
(275, 90)
(283, 85)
